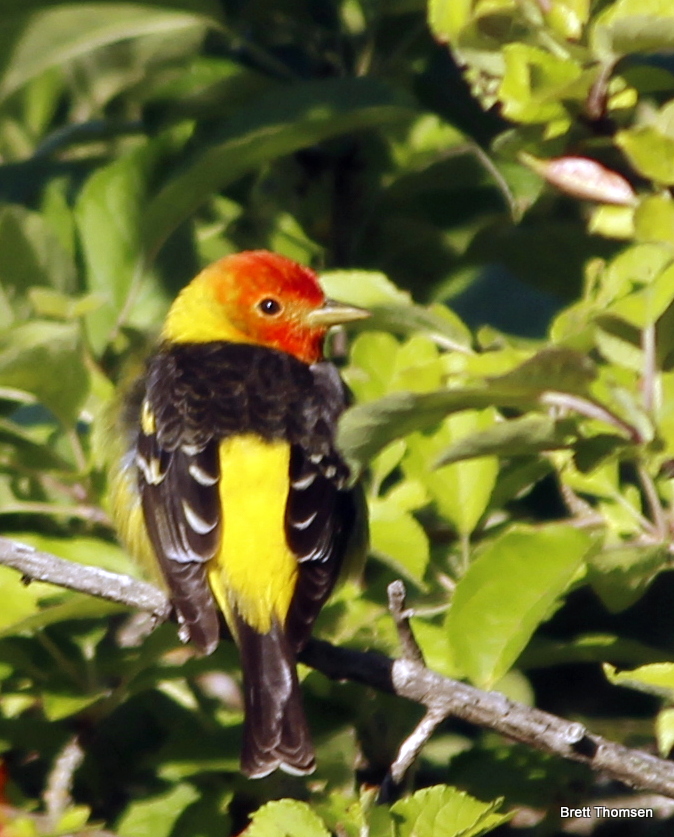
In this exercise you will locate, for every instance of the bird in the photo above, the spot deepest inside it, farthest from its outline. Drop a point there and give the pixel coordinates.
(231, 486)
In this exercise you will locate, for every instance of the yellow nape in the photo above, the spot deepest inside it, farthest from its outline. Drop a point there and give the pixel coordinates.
(197, 316)
(254, 572)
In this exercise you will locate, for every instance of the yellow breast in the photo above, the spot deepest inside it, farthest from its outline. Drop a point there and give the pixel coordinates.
(254, 571)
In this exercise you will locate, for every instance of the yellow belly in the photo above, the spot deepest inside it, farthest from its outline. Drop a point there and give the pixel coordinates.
(254, 571)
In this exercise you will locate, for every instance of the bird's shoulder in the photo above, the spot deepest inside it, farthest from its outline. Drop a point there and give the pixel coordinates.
(199, 392)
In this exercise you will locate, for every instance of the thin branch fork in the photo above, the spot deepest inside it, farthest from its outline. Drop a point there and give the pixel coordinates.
(406, 677)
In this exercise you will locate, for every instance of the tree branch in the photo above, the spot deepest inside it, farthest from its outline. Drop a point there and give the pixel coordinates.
(407, 678)
(83, 578)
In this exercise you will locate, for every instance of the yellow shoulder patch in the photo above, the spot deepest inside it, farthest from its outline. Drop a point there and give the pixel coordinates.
(148, 422)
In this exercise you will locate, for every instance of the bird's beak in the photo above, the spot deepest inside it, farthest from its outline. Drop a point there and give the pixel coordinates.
(333, 313)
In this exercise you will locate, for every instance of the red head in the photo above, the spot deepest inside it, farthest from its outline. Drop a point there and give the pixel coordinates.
(257, 297)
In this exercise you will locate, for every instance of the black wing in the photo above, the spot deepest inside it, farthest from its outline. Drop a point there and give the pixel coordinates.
(178, 484)
(322, 514)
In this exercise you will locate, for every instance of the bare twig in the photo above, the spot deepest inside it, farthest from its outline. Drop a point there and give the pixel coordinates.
(42, 566)
(396, 605)
(442, 696)
(414, 743)
(597, 97)
(654, 504)
(60, 781)
(409, 750)
(586, 407)
(650, 372)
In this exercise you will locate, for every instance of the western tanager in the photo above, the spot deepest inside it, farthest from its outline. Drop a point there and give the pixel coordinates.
(233, 486)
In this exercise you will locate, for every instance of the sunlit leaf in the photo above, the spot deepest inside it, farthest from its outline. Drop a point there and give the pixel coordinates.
(365, 429)
(654, 678)
(443, 811)
(397, 537)
(156, 816)
(650, 152)
(633, 26)
(286, 818)
(508, 590)
(664, 730)
(621, 575)
(553, 368)
(461, 490)
(526, 435)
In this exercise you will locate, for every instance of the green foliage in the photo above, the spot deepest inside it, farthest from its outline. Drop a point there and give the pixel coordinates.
(498, 605)
(438, 811)
(511, 229)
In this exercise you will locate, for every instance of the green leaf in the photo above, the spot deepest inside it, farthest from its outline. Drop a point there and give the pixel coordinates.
(526, 435)
(366, 288)
(461, 490)
(620, 576)
(275, 125)
(43, 35)
(508, 590)
(634, 267)
(553, 368)
(19, 600)
(634, 26)
(380, 467)
(392, 309)
(286, 818)
(29, 447)
(366, 429)
(32, 254)
(108, 213)
(536, 84)
(75, 606)
(446, 20)
(443, 811)
(155, 817)
(342, 814)
(654, 219)
(664, 730)
(47, 359)
(373, 360)
(654, 679)
(646, 305)
(612, 222)
(438, 323)
(73, 819)
(619, 342)
(586, 648)
(649, 151)
(58, 706)
(398, 539)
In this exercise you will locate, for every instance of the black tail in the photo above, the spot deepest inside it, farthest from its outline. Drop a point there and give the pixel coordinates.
(275, 731)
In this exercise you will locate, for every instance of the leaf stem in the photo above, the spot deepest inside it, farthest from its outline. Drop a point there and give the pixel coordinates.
(653, 500)
(591, 409)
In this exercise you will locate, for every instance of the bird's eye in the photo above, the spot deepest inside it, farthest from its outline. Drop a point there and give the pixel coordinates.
(269, 306)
